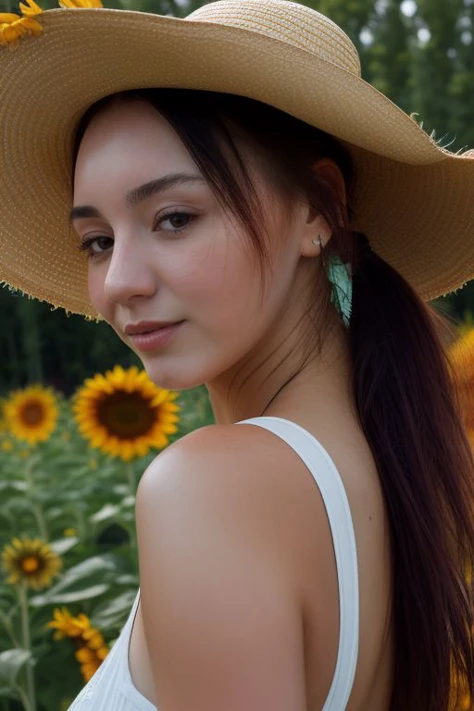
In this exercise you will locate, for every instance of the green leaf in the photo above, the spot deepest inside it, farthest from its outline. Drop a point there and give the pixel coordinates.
(67, 598)
(127, 579)
(120, 489)
(111, 613)
(15, 505)
(77, 580)
(18, 485)
(55, 512)
(8, 692)
(62, 545)
(11, 661)
(107, 511)
(90, 566)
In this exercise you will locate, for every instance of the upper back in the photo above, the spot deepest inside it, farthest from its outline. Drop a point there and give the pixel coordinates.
(294, 512)
(354, 581)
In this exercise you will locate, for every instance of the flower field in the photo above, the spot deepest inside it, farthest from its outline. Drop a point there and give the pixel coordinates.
(69, 575)
(68, 556)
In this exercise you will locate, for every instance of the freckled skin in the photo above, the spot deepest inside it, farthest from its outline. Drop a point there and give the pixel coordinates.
(205, 274)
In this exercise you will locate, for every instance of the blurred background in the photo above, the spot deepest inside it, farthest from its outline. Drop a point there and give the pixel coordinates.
(420, 53)
(80, 421)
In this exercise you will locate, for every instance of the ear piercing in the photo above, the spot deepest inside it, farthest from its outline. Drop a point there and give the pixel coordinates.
(321, 249)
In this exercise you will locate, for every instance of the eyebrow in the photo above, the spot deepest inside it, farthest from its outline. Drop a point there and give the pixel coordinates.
(143, 192)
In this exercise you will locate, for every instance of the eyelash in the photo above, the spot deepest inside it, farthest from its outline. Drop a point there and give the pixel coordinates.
(174, 213)
(87, 242)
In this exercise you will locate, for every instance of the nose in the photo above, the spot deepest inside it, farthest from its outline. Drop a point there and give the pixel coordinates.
(130, 273)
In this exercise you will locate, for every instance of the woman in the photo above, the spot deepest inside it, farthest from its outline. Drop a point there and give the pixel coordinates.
(246, 223)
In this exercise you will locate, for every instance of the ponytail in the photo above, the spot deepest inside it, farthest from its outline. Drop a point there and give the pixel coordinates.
(401, 383)
(406, 404)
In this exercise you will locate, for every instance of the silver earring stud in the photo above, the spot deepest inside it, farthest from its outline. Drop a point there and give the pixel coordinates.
(321, 248)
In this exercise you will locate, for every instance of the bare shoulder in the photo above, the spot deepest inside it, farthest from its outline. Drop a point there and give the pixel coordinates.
(218, 606)
(257, 484)
(217, 459)
(253, 477)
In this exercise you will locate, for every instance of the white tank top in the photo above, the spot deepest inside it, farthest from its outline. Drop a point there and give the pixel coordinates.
(112, 689)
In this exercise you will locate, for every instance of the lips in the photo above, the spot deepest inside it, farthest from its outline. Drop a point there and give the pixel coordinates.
(146, 339)
(144, 327)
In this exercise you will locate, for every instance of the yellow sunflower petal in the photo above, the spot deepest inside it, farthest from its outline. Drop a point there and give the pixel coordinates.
(461, 357)
(84, 654)
(8, 17)
(30, 9)
(168, 429)
(123, 413)
(31, 25)
(30, 561)
(31, 414)
(102, 653)
(11, 33)
(171, 407)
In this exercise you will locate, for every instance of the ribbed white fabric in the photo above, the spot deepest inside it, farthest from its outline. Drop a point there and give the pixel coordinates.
(112, 689)
(335, 499)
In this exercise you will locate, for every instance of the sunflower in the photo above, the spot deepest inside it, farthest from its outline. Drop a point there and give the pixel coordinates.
(68, 626)
(3, 424)
(80, 3)
(91, 647)
(31, 414)
(124, 414)
(460, 698)
(461, 356)
(30, 561)
(90, 660)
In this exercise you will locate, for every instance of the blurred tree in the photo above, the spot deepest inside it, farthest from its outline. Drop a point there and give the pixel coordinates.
(418, 52)
(40, 344)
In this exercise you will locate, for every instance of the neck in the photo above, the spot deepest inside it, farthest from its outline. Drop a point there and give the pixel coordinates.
(284, 378)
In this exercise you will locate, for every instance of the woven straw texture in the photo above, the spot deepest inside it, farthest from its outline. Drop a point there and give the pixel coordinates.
(413, 199)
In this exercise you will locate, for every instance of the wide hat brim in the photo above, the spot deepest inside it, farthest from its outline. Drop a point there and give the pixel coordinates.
(413, 199)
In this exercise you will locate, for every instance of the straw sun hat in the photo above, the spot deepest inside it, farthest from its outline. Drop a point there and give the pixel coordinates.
(413, 199)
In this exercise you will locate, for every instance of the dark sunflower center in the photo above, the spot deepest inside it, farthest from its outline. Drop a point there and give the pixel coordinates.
(32, 413)
(30, 564)
(126, 415)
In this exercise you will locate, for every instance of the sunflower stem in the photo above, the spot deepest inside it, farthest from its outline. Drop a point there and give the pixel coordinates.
(25, 628)
(131, 479)
(40, 521)
(36, 508)
(132, 489)
(9, 630)
(24, 698)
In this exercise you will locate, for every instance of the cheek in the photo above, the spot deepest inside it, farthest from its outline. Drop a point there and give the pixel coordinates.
(223, 286)
(95, 284)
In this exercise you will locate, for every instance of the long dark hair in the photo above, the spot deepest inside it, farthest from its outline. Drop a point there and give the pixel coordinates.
(401, 378)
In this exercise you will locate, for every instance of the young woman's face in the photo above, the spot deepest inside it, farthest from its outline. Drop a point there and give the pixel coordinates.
(173, 254)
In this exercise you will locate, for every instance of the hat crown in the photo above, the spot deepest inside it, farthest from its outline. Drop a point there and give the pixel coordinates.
(288, 22)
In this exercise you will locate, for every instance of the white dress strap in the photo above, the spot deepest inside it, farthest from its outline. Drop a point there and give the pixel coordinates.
(335, 499)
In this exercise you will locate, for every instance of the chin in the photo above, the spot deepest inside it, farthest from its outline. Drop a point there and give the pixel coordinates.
(170, 380)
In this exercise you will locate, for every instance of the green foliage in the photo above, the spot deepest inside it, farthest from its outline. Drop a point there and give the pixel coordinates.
(82, 503)
(38, 344)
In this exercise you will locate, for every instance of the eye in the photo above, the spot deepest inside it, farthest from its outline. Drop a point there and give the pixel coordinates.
(174, 216)
(95, 246)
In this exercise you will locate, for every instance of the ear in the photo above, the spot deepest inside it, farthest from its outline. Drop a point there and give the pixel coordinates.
(316, 226)
(331, 173)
